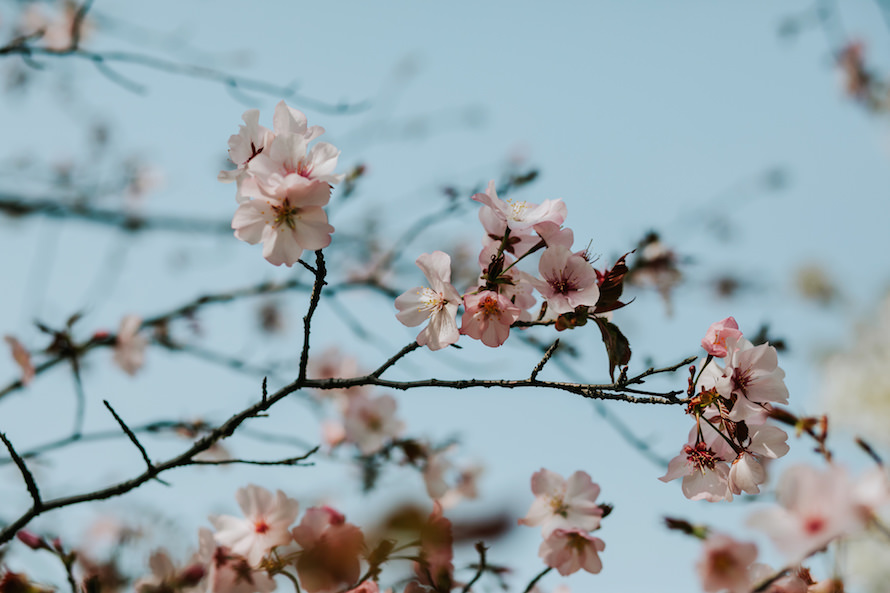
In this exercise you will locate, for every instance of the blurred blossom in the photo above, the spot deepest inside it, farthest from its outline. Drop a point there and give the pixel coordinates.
(855, 383)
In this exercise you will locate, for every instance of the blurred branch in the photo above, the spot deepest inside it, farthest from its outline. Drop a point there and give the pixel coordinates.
(16, 205)
(101, 61)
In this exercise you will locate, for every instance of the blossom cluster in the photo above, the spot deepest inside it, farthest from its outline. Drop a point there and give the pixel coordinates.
(503, 294)
(567, 512)
(282, 184)
(731, 441)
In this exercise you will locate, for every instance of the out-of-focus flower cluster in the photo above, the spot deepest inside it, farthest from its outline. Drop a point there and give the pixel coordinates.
(369, 423)
(816, 507)
(732, 441)
(282, 184)
(568, 513)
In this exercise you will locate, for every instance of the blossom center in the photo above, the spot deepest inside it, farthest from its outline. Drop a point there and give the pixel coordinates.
(489, 307)
(432, 301)
(285, 214)
(260, 526)
(517, 210)
(701, 457)
(559, 507)
(813, 525)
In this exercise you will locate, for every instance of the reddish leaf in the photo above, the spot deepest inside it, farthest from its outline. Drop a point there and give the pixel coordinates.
(611, 284)
(617, 346)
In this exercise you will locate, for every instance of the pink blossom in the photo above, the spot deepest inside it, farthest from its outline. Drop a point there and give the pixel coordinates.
(725, 564)
(265, 525)
(227, 572)
(705, 474)
(561, 503)
(752, 374)
(569, 280)
(570, 550)
(286, 221)
(519, 216)
(22, 357)
(251, 140)
(329, 559)
(129, 347)
(371, 422)
(437, 304)
(554, 235)
(488, 317)
(715, 338)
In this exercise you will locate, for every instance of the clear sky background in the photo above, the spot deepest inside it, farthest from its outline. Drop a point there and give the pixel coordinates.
(640, 115)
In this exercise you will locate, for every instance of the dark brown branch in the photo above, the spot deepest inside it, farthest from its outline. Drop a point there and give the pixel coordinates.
(540, 366)
(26, 473)
(289, 461)
(398, 356)
(133, 439)
(321, 272)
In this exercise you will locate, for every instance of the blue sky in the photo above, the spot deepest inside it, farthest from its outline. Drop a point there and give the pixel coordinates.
(640, 115)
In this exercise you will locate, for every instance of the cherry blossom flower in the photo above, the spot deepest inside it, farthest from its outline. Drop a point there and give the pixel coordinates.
(22, 357)
(725, 564)
(227, 572)
(371, 422)
(715, 338)
(437, 304)
(488, 317)
(569, 280)
(287, 156)
(251, 140)
(286, 221)
(129, 347)
(56, 30)
(521, 215)
(705, 474)
(570, 550)
(265, 525)
(329, 559)
(561, 503)
(752, 373)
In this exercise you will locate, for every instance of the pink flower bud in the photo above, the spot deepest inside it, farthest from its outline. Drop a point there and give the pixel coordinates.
(192, 575)
(714, 341)
(31, 540)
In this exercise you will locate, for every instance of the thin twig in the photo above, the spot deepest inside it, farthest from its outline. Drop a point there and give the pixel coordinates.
(26, 473)
(395, 358)
(534, 581)
(540, 366)
(481, 549)
(132, 436)
(321, 272)
(289, 461)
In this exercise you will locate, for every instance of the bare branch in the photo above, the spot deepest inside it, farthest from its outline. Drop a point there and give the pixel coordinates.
(399, 355)
(289, 461)
(540, 366)
(133, 439)
(26, 473)
(321, 272)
